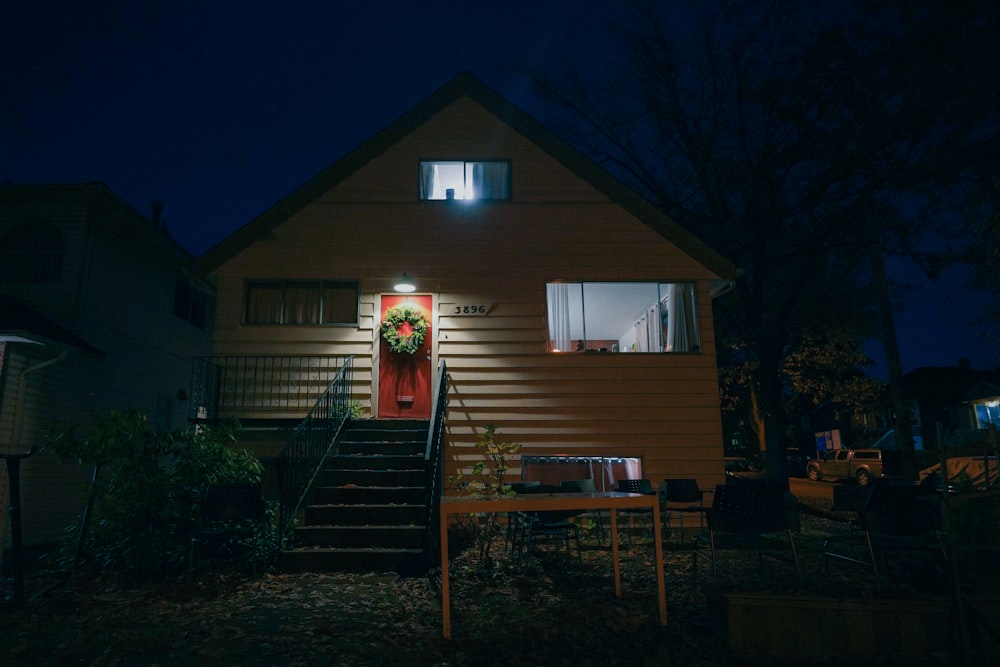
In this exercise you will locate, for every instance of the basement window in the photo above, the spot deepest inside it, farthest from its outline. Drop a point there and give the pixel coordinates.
(622, 317)
(462, 180)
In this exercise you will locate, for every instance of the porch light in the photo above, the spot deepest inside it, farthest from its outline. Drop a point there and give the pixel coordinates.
(405, 284)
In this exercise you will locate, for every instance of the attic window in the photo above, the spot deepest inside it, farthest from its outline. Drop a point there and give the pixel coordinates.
(461, 180)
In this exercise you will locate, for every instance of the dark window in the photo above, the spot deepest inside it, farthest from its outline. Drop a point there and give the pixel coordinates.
(463, 180)
(31, 253)
(190, 304)
(302, 302)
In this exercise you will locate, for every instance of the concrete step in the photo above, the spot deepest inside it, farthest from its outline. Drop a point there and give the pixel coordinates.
(359, 515)
(353, 537)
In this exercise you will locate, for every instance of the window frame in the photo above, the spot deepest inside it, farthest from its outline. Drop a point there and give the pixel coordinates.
(423, 182)
(321, 285)
(36, 251)
(190, 304)
(568, 317)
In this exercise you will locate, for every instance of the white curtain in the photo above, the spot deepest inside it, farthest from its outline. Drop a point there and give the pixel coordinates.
(681, 331)
(558, 300)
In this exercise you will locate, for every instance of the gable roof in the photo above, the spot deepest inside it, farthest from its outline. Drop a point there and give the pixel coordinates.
(23, 324)
(112, 208)
(465, 84)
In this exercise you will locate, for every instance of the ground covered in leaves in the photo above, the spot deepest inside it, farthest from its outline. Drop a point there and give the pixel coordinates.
(552, 609)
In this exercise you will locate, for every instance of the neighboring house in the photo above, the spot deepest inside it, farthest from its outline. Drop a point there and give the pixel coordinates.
(572, 314)
(959, 398)
(98, 310)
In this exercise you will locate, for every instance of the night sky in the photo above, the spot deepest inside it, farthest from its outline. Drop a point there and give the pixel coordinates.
(219, 109)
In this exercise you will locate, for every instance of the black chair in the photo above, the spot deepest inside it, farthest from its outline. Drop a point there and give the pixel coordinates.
(748, 517)
(547, 526)
(895, 519)
(678, 497)
(585, 486)
(645, 487)
(230, 523)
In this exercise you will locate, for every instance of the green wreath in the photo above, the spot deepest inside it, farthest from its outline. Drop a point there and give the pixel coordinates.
(396, 316)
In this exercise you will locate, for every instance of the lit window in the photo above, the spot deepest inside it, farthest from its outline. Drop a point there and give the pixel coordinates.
(988, 413)
(457, 179)
(301, 302)
(622, 317)
(31, 253)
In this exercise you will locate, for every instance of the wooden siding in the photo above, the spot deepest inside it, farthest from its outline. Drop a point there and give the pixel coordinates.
(371, 227)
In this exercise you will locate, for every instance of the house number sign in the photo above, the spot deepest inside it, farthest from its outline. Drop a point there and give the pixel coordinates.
(469, 309)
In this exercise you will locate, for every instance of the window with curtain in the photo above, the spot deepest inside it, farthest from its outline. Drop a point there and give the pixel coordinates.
(32, 252)
(464, 180)
(302, 302)
(622, 317)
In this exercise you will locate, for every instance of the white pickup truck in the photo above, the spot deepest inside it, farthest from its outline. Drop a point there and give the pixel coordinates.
(861, 465)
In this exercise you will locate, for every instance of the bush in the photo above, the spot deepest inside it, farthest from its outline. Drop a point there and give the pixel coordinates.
(147, 488)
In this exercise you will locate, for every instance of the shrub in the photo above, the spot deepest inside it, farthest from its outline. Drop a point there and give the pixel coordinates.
(147, 487)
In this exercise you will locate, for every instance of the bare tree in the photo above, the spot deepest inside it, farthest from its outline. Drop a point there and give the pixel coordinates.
(795, 138)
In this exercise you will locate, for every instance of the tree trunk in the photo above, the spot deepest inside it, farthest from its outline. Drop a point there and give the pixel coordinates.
(901, 417)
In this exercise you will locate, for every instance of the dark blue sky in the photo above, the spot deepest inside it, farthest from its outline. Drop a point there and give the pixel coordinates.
(219, 109)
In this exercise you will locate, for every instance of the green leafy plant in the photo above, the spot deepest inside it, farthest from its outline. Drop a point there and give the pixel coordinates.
(147, 487)
(487, 478)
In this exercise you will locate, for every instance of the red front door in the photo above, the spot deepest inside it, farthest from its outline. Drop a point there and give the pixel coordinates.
(404, 380)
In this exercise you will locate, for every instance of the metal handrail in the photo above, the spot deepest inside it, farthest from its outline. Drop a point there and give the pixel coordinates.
(434, 460)
(259, 385)
(307, 450)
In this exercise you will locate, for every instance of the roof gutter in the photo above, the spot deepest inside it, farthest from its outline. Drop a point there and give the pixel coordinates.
(721, 287)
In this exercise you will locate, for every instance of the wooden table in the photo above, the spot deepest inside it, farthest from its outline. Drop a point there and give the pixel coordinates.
(540, 502)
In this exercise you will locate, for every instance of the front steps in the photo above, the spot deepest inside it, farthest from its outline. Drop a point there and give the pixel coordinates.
(368, 509)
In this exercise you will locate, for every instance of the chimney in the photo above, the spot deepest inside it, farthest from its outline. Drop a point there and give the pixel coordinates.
(157, 207)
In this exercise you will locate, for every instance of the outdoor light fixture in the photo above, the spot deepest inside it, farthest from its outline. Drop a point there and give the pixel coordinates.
(405, 284)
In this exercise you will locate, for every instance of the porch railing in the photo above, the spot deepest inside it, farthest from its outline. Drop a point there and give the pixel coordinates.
(306, 452)
(259, 386)
(434, 460)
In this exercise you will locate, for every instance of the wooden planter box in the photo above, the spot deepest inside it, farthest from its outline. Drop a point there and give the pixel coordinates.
(790, 626)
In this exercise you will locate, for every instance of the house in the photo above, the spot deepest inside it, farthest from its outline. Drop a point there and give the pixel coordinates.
(98, 310)
(571, 313)
(959, 398)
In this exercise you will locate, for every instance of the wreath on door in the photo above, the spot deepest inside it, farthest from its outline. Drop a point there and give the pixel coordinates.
(408, 343)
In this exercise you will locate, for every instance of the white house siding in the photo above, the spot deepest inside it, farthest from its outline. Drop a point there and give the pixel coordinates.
(116, 293)
(50, 487)
(371, 227)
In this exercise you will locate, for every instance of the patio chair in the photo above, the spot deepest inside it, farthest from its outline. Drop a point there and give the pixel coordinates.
(680, 496)
(645, 487)
(230, 523)
(895, 519)
(548, 526)
(747, 517)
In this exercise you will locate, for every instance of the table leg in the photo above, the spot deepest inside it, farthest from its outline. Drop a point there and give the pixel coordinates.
(657, 539)
(614, 552)
(445, 598)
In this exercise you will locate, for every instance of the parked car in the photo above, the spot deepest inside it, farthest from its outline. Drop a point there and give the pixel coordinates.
(861, 465)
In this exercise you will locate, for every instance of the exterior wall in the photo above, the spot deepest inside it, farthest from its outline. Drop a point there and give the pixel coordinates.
(116, 293)
(372, 227)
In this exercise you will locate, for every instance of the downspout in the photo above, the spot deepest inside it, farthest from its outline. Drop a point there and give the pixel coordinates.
(721, 288)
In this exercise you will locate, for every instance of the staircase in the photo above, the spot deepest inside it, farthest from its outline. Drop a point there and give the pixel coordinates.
(368, 508)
